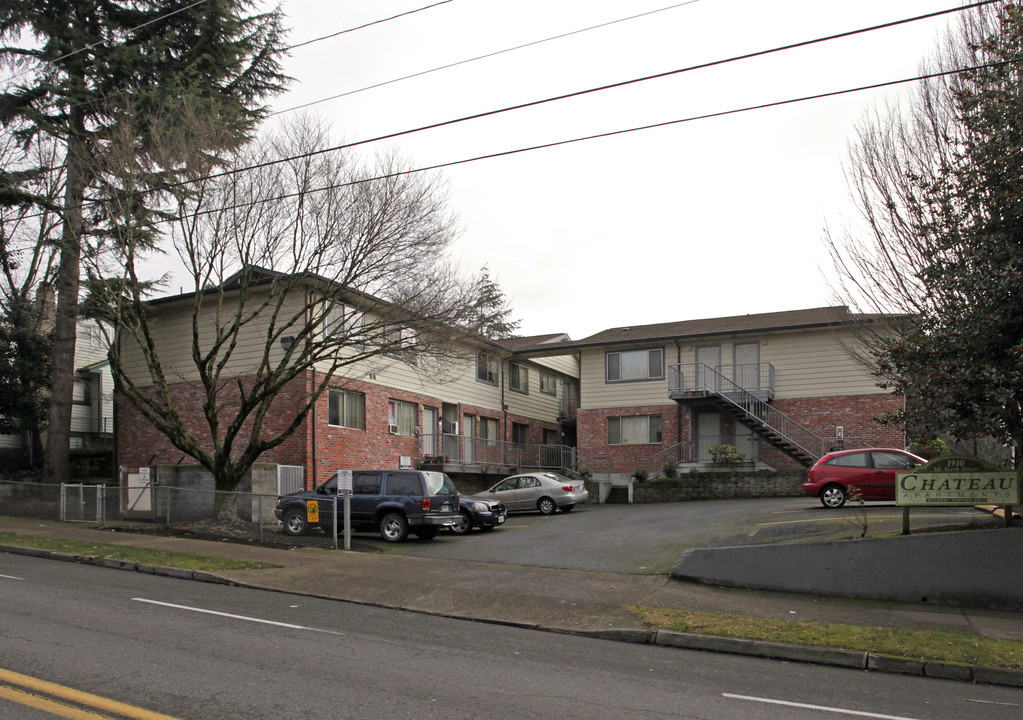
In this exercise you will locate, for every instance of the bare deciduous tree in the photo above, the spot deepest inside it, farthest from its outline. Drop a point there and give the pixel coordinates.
(301, 271)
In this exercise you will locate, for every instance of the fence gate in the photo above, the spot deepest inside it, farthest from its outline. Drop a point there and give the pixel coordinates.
(137, 500)
(81, 503)
(290, 478)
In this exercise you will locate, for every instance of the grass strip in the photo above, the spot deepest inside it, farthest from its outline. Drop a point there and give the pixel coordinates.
(917, 644)
(131, 553)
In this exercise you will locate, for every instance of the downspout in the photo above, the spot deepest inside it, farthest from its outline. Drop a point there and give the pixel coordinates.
(313, 421)
(678, 405)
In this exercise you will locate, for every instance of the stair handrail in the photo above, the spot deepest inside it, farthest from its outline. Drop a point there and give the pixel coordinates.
(763, 412)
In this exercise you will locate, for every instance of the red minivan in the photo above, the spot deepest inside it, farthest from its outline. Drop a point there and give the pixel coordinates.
(870, 470)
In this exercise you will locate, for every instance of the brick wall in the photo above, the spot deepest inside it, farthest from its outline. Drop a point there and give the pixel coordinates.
(855, 413)
(591, 435)
(139, 443)
(720, 486)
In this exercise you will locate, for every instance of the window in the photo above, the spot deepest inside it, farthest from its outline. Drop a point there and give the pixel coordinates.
(96, 338)
(346, 408)
(407, 484)
(634, 430)
(550, 437)
(486, 368)
(488, 430)
(345, 323)
(400, 342)
(635, 365)
(366, 484)
(518, 378)
(860, 460)
(548, 383)
(403, 416)
(893, 461)
(520, 433)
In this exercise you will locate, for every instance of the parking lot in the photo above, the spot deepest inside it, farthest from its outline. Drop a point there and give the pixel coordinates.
(650, 539)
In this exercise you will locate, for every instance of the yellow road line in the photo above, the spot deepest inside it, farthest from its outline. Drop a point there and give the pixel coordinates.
(51, 706)
(72, 695)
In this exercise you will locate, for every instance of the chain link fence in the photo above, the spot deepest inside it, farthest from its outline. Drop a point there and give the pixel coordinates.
(234, 516)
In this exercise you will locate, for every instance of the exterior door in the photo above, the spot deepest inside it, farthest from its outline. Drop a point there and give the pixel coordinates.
(431, 427)
(708, 432)
(469, 439)
(747, 365)
(707, 356)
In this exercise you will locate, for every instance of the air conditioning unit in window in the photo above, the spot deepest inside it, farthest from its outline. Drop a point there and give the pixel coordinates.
(393, 429)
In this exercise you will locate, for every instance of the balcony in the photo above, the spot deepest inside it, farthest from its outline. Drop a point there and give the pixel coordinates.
(693, 381)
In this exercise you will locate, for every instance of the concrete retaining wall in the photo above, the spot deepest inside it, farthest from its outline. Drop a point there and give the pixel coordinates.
(912, 568)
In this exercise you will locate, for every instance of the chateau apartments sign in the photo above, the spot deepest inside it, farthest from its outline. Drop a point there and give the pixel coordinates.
(950, 481)
(956, 480)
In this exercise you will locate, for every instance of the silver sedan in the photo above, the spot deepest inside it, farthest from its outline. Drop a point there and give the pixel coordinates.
(543, 491)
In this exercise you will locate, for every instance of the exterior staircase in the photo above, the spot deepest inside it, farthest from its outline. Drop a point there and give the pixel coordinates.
(752, 409)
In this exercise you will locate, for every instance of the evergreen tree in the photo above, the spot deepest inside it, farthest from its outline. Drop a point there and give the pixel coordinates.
(86, 71)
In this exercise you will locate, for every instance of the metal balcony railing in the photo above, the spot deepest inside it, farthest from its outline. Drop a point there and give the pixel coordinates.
(471, 452)
(750, 408)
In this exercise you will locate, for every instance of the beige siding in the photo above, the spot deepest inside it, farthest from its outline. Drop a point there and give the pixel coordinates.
(172, 332)
(598, 393)
(536, 404)
(810, 363)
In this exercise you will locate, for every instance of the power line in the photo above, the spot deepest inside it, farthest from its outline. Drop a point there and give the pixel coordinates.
(580, 93)
(611, 86)
(598, 136)
(481, 57)
(362, 27)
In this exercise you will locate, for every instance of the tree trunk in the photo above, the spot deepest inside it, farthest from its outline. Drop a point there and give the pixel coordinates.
(56, 467)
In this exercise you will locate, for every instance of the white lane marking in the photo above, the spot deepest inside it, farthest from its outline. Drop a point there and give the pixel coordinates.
(822, 708)
(236, 617)
(10, 577)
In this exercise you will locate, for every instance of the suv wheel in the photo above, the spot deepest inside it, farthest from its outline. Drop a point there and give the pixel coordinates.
(393, 527)
(546, 506)
(295, 522)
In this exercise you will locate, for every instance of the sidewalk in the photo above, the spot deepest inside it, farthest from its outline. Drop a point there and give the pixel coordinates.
(591, 603)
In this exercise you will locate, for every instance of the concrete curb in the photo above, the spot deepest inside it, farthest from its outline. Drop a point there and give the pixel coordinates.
(665, 638)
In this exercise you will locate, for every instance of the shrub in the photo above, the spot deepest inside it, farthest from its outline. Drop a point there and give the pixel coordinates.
(725, 454)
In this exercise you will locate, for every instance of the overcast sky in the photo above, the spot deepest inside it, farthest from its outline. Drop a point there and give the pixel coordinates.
(708, 218)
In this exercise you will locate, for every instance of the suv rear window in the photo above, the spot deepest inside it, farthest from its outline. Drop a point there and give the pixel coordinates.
(404, 484)
(439, 484)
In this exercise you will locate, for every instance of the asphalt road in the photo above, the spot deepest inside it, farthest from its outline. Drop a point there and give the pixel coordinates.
(651, 538)
(199, 650)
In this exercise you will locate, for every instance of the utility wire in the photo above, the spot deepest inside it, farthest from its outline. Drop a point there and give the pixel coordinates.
(580, 93)
(362, 27)
(480, 57)
(598, 136)
(714, 63)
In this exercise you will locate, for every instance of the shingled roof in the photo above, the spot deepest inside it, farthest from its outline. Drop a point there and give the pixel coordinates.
(734, 325)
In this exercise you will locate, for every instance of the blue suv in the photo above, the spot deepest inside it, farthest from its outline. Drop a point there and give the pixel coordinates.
(391, 502)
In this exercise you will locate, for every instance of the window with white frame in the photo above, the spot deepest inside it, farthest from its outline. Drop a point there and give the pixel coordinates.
(488, 430)
(631, 365)
(518, 378)
(402, 417)
(401, 342)
(634, 430)
(548, 383)
(345, 323)
(346, 408)
(487, 369)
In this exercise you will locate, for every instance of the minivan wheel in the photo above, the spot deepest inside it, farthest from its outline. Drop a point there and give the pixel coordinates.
(546, 506)
(393, 527)
(295, 523)
(833, 496)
